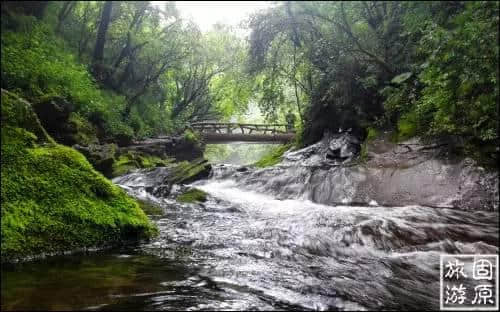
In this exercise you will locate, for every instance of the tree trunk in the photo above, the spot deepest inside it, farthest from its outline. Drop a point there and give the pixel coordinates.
(295, 84)
(63, 13)
(101, 40)
(34, 8)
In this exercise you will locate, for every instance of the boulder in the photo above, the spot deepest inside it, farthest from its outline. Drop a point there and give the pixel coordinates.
(343, 147)
(17, 112)
(183, 149)
(57, 116)
(102, 157)
(53, 113)
(242, 169)
(160, 181)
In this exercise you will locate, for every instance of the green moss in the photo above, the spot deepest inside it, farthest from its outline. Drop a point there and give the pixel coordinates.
(186, 172)
(52, 200)
(149, 207)
(16, 112)
(135, 160)
(372, 133)
(84, 132)
(192, 196)
(192, 137)
(124, 165)
(274, 157)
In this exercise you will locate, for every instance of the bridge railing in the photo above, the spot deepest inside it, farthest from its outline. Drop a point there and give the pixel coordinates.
(229, 128)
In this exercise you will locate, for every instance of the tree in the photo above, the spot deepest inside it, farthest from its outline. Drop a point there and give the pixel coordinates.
(98, 56)
(65, 10)
(34, 8)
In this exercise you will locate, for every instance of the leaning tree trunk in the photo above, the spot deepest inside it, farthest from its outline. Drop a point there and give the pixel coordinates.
(98, 56)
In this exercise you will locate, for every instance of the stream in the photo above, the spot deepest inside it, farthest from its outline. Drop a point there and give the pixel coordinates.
(246, 248)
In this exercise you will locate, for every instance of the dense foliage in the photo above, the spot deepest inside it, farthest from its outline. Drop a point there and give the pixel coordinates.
(420, 68)
(134, 69)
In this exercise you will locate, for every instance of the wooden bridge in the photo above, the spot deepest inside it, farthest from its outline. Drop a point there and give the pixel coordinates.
(234, 132)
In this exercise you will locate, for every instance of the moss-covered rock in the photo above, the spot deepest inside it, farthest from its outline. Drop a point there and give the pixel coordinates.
(135, 160)
(188, 146)
(102, 157)
(274, 157)
(52, 200)
(159, 181)
(150, 208)
(186, 172)
(81, 131)
(17, 112)
(193, 195)
(57, 116)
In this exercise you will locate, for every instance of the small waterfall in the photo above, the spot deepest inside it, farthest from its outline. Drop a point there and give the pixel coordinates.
(264, 241)
(395, 176)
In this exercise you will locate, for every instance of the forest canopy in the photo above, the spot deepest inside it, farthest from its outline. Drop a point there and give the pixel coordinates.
(133, 69)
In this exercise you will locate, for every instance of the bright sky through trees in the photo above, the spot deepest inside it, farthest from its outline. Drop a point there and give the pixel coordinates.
(207, 13)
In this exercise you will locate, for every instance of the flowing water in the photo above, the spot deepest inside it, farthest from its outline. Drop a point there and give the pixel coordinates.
(246, 248)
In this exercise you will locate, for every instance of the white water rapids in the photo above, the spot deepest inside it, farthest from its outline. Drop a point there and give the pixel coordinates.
(262, 252)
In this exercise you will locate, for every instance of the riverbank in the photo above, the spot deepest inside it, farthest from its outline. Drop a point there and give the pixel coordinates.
(55, 201)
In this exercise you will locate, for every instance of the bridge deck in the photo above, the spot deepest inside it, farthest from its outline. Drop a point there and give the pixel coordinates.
(232, 132)
(238, 137)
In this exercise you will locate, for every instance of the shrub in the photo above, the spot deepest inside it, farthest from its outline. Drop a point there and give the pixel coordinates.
(192, 137)
(36, 63)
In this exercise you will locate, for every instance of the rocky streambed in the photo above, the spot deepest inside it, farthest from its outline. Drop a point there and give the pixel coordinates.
(390, 174)
(322, 230)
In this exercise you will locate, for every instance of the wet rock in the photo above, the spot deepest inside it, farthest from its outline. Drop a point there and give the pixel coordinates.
(334, 148)
(408, 173)
(242, 169)
(160, 181)
(343, 147)
(161, 191)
